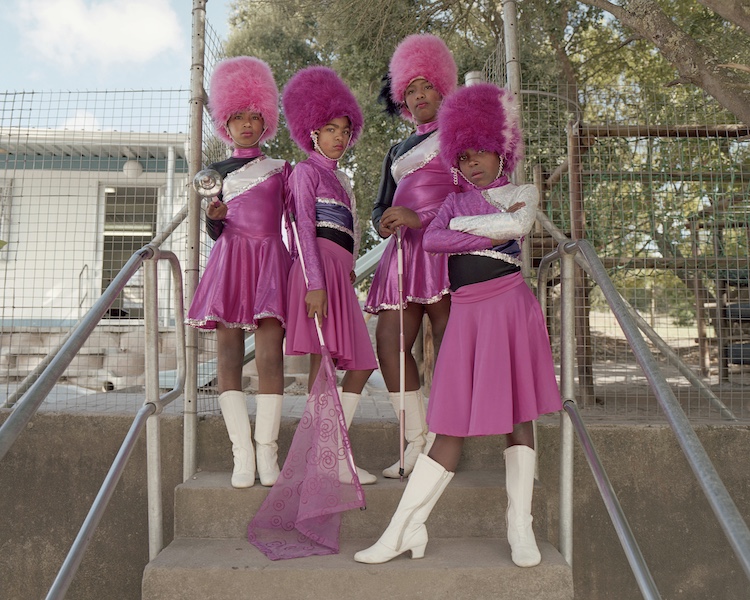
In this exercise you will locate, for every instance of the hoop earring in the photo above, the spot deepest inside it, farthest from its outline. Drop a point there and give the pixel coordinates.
(500, 168)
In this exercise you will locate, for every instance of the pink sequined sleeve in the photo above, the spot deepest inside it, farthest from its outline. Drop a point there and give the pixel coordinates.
(303, 185)
(439, 239)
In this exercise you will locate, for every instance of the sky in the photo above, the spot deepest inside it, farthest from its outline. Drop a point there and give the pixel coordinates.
(78, 45)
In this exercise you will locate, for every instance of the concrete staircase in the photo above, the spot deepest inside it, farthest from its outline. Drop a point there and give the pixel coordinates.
(467, 557)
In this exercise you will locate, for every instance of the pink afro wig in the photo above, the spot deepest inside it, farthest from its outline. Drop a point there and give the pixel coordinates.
(421, 55)
(313, 97)
(243, 84)
(480, 117)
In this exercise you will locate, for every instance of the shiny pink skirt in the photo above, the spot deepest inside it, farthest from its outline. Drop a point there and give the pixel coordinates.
(245, 280)
(495, 366)
(425, 275)
(344, 330)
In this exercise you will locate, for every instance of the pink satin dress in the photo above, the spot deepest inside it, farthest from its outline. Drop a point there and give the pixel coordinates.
(245, 279)
(425, 277)
(316, 185)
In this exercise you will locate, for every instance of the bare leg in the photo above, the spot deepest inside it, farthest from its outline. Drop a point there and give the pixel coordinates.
(446, 450)
(269, 356)
(438, 314)
(230, 352)
(522, 435)
(354, 381)
(387, 338)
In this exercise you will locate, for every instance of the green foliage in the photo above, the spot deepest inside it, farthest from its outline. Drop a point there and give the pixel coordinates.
(578, 62)
(357, 39)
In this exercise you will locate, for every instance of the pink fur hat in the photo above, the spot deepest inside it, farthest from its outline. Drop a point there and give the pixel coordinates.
(421, 55)
(313, 97)
(243, 83)
(480, 117)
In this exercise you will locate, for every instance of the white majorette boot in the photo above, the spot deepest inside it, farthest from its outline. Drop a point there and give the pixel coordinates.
(349, 402)
(519, 482)
(415, 431)
(234, 411)
(406, 530)
(267, 421)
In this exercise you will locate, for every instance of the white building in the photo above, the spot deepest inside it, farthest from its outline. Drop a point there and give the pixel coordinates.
(74, 206)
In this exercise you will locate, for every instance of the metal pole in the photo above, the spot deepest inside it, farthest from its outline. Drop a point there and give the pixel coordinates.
(197, 100)
(643, 577)
(567, 385)
(578, 231)
(401, 354)
(170, 202)
(153, 448)
(513, 73)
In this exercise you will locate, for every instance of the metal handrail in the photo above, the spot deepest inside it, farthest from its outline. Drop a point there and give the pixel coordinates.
(147, 416)
(27, 406)
(673, 358)
(633, 552)
(734, 527)
(730, 519)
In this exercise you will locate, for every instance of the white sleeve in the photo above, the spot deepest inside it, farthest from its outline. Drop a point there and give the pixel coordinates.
(503, 225)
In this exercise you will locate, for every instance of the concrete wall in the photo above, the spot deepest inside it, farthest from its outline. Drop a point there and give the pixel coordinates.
(47, 484)
(52, 474)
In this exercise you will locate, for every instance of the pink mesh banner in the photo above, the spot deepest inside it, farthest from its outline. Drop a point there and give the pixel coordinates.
(301, 516)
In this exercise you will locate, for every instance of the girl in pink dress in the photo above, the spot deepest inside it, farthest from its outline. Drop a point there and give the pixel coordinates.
(412, 188)
(495, 373)
(324, 119)
(243, 287)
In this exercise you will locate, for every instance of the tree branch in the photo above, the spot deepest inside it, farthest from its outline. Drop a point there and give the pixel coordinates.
(732, 10)
(694, 63)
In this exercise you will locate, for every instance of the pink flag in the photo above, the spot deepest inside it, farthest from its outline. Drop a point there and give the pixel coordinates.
(301, 516)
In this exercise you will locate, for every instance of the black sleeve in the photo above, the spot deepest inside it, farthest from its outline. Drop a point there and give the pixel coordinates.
(386, 191)
(214, 228)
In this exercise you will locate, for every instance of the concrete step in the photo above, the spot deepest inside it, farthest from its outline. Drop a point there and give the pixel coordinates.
(459, 569)
(207, 506)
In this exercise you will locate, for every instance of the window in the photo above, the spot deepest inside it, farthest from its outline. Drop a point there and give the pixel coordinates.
(129, 224)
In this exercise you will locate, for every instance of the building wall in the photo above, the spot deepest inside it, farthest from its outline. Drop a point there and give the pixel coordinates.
(51, 270)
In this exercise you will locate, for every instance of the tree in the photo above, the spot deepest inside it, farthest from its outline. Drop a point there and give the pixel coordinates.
(726, 78)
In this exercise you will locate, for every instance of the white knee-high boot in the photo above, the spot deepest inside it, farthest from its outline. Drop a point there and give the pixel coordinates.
(267, 421)
(407, 530)
(415, 431)
(349, 402)
(234, 411)
(519, 481)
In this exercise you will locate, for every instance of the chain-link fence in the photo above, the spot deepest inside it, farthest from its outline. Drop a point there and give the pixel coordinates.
(86, 178)
(662, 194)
